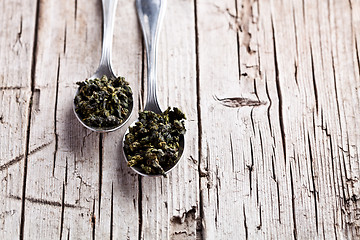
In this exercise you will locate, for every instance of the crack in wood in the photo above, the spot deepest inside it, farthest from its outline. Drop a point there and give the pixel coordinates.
(357, 55)
(62, 212)
(349, 153)
(30, 108)
(101, 155)
(66, 171)
(252, 120)
(217, 186)
(278, 88)
(232, 155)
(93, 221)
(251, 167)
(141, 106)
(18, 43)
(258, 227)
(65, 35)
(314, 125)
(344, 185)
(334, 224)
(55, 115)
(237, 102)
(75, 11)
(278, 200)
(12, 88)
(293, 203)
(45, 202)
(140, 201)
(21, 156)
(255, 90)
(238, 42)
(257, 189)
(245, 223)
(314, 79)
(313, 185)
(333, 164)
(200, 227)
(259, 63)
(269, 107)
(273, 168)
(296, 73)
(20, 29)
(11, 162)
(261, 146)
(112, 211)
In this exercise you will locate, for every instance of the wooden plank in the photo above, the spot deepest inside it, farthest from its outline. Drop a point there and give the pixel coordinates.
(77, 191)
(16, 55)
(242, 156)
(15, 105)
(119, 191)
(170, 206)
(294, 163)
(62, 179)
(346, 81)
(17, 34)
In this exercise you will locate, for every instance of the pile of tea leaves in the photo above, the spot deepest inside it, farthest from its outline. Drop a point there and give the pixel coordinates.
(152, 146)
(103, 103)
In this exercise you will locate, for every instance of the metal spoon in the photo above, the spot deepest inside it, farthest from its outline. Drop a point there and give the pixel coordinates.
(151, 14)
(104, 68)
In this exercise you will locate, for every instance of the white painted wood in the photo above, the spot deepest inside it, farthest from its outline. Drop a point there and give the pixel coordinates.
(290, 177)
(120, 188)
(170, 206)
(14, 109)
(271, 93)
(62, 179)
(16, 51)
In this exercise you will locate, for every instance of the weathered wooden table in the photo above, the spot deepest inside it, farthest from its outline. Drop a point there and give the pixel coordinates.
(271, 89)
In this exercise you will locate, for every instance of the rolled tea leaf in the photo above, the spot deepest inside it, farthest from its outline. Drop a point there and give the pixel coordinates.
(103, 103)
(152, 144)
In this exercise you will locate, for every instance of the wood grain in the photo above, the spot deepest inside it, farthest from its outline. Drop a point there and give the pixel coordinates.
(170, 205)
(294, 162)
(18, 20)
(271, 93)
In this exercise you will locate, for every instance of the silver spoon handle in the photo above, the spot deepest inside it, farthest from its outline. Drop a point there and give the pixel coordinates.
(151, 13)
(109, 9)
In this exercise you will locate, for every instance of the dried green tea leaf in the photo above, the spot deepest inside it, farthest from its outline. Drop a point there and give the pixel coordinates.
(103, 103)
(152, 144)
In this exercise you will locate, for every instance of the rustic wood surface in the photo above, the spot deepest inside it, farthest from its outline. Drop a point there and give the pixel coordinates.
(271, 89)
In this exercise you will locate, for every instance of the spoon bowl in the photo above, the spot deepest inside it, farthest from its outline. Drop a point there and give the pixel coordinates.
(104, 129)
(138, 170)
(104, 68)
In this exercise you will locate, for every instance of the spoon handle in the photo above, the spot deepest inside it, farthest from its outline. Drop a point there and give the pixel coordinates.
(109, 9)
(151, 13)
